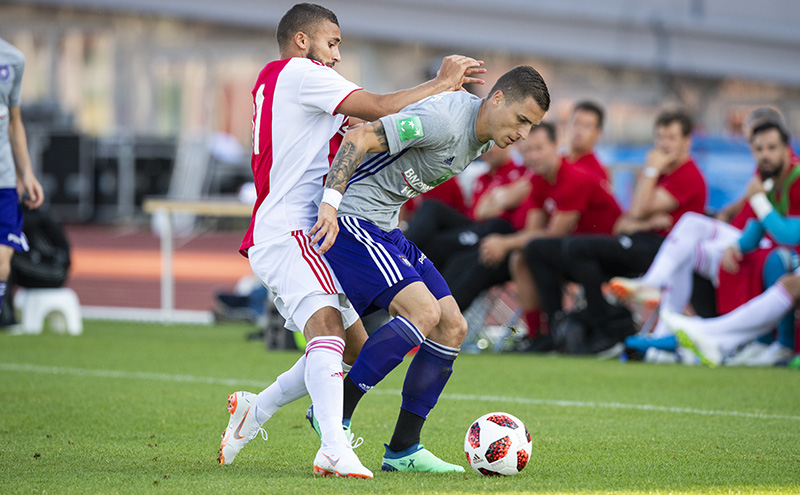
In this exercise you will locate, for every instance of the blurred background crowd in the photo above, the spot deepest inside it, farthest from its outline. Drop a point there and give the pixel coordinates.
(123, 100)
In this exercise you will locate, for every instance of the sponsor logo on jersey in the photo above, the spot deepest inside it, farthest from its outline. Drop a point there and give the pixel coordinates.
(5, 73)
(442, 178)
(409, 128)
(422, 258)
(365, 387)
(449, 161)
(415, 184)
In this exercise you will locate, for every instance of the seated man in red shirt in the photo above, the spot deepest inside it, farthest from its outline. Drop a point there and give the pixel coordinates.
(670, 185)
(564, 200)
(440, 231)
(585, 128)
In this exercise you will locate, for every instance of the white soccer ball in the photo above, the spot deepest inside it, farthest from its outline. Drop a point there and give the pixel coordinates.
(497, 444)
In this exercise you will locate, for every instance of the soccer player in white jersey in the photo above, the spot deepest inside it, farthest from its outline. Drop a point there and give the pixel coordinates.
(15, 164)
(300, 114)
(411, 152)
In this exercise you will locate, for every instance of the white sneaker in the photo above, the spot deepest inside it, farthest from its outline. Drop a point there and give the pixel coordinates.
(749, 352)
(690, 335)
(654, 355)
(633, 290)
(242, 427)
(775, 353)
(343, 463)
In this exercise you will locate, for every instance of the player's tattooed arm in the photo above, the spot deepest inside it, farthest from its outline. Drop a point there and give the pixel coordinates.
(369, 138)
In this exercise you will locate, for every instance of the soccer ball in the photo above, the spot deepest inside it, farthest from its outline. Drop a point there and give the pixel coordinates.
(497, 444)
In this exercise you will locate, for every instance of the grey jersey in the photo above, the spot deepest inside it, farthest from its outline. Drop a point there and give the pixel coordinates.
(12, 64)
(429, 142)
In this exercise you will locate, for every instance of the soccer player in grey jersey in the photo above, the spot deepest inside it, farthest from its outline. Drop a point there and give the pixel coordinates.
(382, 165)
(15, 164)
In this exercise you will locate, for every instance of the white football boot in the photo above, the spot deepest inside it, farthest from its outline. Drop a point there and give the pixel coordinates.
(746, 354)
(242, 427)
(343, 463)
(690, 335)
(775, 354)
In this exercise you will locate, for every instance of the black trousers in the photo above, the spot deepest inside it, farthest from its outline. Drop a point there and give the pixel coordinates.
(589, 260)
(435, 229)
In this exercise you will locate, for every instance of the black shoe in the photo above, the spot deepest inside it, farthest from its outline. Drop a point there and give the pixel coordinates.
(543, 343)
(603, 346)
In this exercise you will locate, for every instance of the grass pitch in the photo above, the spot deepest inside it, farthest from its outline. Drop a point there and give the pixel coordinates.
(134, 408)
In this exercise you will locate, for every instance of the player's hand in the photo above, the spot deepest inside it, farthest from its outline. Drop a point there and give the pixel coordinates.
(660, 221)
(32, 192)
(755, 186)
(731, 259)
(659, 160)
(326, 228)
(457, 70)
(492, 250)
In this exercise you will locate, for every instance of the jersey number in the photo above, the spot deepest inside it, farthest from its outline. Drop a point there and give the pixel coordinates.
(258, 107)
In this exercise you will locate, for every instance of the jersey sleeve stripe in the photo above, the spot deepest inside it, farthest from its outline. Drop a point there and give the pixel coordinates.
(336, 110)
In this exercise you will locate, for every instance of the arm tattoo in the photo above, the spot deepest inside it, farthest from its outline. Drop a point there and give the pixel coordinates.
(349, 157)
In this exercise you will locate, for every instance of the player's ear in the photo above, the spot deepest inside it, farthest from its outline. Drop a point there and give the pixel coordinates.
(498, 98)
(301, 40)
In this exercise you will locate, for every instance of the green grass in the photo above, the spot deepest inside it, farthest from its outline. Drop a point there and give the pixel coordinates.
(133, 408)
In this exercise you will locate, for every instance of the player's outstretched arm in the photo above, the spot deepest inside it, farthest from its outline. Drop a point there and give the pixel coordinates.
(456, 70)
(369, 138)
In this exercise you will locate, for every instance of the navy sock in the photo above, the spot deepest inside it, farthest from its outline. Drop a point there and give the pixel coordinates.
(2, 293)
(425, 380)
(382, 352)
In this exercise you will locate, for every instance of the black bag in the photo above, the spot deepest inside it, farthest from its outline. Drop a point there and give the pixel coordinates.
(44, 266)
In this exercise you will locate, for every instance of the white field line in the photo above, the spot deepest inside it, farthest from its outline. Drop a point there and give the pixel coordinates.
(495, 399)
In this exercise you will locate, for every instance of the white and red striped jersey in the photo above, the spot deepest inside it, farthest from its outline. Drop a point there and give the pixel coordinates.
(296, 133)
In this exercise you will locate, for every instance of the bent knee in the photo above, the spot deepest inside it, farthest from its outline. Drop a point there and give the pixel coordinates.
(426, 316)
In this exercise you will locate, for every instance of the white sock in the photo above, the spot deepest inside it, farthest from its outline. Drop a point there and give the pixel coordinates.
(678, 291)
(290, 386)
(750, 320)
(324, 381)
(682, 247)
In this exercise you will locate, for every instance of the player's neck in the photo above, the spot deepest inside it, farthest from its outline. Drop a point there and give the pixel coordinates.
(482, 131)
(552, 175)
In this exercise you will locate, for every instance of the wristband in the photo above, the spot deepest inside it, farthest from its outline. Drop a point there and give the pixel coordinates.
(650, 172)
(761, 205)
(332, 197)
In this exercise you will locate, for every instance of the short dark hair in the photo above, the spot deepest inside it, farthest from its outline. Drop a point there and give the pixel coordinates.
(549, 128)
(302, 17)
(765, 114)
(591, 107)
(667, 117)
(521, 82)
(766, 126)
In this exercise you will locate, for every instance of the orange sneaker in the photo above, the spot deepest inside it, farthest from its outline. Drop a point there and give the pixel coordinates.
(632, 290)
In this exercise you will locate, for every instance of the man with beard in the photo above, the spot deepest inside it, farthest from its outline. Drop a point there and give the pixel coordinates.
(702, 245)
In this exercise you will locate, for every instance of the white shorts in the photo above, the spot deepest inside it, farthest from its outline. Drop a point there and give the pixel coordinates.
(300, 280)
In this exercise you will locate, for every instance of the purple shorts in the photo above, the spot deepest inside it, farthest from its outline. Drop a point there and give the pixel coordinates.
(11, 220)
(373, 266)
